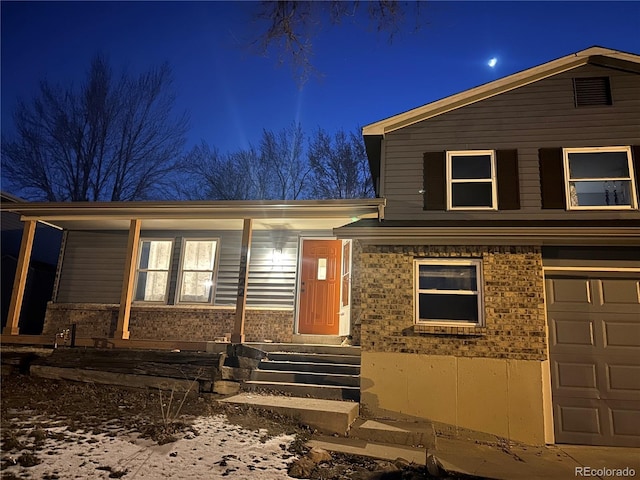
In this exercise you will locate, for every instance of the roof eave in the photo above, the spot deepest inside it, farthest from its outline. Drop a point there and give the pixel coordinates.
(361, 208)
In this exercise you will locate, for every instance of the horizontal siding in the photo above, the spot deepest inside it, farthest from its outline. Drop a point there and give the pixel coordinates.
(538, 115)
(93, 265)
(228, 267)
(271, 284)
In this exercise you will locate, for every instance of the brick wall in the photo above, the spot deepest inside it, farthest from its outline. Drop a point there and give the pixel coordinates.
(168, 323)
(513, 290)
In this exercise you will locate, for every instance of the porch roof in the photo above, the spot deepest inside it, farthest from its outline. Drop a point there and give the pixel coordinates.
(200, 215)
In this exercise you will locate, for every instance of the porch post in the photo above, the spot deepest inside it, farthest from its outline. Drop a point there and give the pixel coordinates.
(243, 279)
(122, 330)
(20, 280)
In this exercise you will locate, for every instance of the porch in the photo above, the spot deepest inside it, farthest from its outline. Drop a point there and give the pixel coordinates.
(186, 274)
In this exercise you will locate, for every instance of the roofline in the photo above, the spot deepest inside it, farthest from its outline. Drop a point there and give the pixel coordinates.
(583, 236)
(361, 208)
(502, 85)
(10, 197)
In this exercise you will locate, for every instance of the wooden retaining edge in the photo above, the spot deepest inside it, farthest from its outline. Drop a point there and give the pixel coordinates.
(202, 346)
(110, 378)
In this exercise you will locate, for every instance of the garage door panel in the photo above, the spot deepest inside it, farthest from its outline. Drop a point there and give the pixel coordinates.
(581, 376)
(571, 331)
(594, 346)
(623, 382)
(570, 291)
(622, 332)
(620, 292)
(579, 419)
(625, 422)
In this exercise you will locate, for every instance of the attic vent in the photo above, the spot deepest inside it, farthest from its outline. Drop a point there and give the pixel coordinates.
(592, 91)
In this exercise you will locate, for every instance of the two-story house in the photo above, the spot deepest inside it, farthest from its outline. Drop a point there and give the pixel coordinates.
(501, 292)
(494, 284)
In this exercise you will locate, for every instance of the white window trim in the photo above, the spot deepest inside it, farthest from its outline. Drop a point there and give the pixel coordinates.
(214, 272)
(631, 178)
(448, 262)
(166, 287)
(451, 181)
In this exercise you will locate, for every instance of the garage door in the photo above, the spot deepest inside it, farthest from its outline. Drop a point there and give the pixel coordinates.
(594, 346)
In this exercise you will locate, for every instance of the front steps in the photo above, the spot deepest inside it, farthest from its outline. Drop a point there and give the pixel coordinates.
(314, 371)
(384, 438)
(327, 416)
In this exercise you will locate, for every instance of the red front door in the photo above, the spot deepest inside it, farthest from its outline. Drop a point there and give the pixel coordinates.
(320, 287)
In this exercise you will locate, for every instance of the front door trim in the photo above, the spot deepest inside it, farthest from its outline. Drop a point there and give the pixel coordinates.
(341, 318)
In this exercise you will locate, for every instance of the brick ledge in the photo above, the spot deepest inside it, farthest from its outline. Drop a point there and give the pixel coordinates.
(450, 330)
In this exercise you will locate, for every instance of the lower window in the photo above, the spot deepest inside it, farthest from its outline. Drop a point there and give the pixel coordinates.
(153, 270)
(196, 271)
(448, 292)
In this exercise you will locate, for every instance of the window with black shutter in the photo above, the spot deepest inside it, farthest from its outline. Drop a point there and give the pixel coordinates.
(471, 180)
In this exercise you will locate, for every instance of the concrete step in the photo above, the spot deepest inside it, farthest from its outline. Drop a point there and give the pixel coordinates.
(306, 390)
(340, 359)
(419, 434)
(384, 451)
(306, 377)
(328, 416)
(306, 348)
(334, 368)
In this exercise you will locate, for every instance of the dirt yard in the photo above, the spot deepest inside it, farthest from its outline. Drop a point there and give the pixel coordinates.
(67, 430)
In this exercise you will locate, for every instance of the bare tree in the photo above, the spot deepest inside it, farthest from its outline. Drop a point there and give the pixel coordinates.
(284, 166)
(291, 25)
(109, 140)
(339, 164)
(276, 170)
(212, 175)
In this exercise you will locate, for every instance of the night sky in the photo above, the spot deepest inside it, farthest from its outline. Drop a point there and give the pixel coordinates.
(232, 94)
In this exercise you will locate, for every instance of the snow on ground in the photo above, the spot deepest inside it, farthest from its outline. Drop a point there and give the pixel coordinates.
(218, 450)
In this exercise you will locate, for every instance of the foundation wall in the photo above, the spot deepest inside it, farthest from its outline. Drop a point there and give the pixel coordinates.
(169, 323)
(500, 397)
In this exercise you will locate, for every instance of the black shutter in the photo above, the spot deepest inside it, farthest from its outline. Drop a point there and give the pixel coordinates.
(552, 178)
(635, 160)
(508, 179)
(434, 181)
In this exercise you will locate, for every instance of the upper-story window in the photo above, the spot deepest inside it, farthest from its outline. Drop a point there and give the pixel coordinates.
(154, 262)
(599, 178)
(471, 180)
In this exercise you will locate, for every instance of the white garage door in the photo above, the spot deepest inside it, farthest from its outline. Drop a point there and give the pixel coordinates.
(594, 346)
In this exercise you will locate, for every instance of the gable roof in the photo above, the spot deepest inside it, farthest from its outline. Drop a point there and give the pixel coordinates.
(604, 57)
(601, 56)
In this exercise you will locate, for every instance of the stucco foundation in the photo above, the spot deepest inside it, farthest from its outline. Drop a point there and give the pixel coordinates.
(501, 397)
(169, 322)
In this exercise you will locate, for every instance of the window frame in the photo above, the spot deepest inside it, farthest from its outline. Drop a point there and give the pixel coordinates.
(477, 263)
(169, 270)
(181, 270)
(633, 204)
(450, 180)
